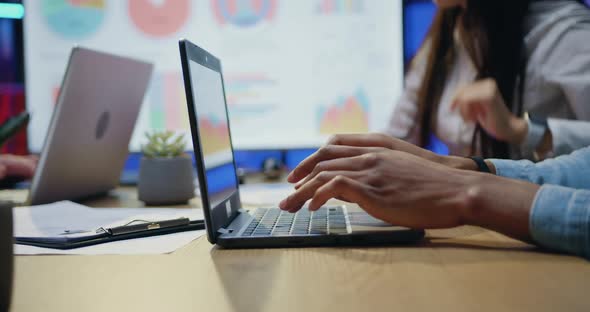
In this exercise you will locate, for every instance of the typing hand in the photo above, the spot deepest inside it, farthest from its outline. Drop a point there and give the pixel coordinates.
(350, 145)
(481, 102)
(393, 186)
(17, 166)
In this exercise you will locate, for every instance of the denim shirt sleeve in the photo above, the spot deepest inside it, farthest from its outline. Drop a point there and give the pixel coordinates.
(560, 215)
(570, 170)
(560, 219)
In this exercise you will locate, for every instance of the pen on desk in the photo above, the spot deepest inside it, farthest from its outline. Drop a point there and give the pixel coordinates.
(12, 125)
(126, 229)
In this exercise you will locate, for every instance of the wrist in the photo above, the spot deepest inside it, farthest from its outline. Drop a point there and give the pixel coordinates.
(498, 204)
(519, 131)
(464, 163)
(468, 197)
(545, 146)
(474, 199)
(491, 166)
(456, 162)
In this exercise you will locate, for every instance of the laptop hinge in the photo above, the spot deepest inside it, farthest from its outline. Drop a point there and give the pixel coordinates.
(242, 210)
(224, 231)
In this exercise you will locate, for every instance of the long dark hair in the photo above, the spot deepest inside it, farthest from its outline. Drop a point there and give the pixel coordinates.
(492, 32)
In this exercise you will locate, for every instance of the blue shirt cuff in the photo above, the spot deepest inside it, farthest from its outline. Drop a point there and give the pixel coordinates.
(559, 219)
(513, 169)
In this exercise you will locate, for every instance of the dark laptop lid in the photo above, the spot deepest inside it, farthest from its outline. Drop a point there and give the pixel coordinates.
(210, 130)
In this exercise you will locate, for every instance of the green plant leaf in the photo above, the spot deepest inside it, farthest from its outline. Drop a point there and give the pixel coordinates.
(163, 144)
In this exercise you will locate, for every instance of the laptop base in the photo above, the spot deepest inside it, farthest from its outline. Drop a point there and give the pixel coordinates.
(401, 237)
(366, 231)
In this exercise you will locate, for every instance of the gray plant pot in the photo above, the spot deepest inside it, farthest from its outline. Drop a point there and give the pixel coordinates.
(166, 181)
(6, 259)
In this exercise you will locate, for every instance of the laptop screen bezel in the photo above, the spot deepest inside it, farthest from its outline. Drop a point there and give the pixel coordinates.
(223, 213)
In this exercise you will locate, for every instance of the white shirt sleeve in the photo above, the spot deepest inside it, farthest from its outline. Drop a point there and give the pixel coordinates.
(568, 68)
(403, 121)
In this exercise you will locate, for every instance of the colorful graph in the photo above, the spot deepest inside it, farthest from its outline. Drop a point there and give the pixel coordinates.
(168, 102)
(243, 13)
(159, 18)
(242, 88)
(347, 115)
(73, 19)
(214, 135)
(329, 7)
(246, 94)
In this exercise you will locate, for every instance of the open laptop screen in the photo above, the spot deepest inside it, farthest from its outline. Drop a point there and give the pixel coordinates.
(214, 135)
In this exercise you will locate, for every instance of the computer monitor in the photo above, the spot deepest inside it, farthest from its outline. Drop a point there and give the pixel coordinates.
(304, 69)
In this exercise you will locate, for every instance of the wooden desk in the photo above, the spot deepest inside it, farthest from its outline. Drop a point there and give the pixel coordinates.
(463, 269)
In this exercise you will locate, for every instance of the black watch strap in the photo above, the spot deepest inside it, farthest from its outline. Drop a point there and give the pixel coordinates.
(481, 164)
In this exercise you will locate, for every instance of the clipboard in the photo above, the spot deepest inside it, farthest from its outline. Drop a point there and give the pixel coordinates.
(106, 235)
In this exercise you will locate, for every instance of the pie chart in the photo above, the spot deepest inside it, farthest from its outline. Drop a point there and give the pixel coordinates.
(244, 13)
(159, 18)
(73, 19)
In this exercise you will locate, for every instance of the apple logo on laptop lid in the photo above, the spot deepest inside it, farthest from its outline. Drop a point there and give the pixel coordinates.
(103, 124)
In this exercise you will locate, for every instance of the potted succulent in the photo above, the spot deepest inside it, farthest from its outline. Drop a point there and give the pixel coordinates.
(165, 171)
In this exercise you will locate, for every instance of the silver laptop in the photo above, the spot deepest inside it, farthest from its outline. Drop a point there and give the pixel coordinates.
(227, 223)
(87, 142)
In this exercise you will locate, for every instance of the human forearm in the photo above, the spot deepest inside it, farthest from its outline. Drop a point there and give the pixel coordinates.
(554, 217)
(499, 204)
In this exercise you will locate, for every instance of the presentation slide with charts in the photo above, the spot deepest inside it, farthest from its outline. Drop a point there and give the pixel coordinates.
(295, 71)
(212, 115)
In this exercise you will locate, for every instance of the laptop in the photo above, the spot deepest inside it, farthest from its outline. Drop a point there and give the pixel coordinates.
(227, 223)
(87, 142)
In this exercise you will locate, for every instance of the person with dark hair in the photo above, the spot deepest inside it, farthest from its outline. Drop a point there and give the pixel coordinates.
(530, 63)
(547, 203)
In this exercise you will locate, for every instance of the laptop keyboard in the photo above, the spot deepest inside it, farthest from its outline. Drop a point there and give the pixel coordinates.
(275, 222)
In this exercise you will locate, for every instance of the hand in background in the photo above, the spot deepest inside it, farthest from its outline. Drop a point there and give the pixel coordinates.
(17, 166)
(481, 102)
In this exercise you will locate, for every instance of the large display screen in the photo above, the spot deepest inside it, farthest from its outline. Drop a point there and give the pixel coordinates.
(295, 71)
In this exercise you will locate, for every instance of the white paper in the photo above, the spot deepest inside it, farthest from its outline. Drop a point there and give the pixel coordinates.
(53, 219)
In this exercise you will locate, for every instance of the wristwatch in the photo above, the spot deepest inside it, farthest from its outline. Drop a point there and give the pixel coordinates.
(481, 164)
